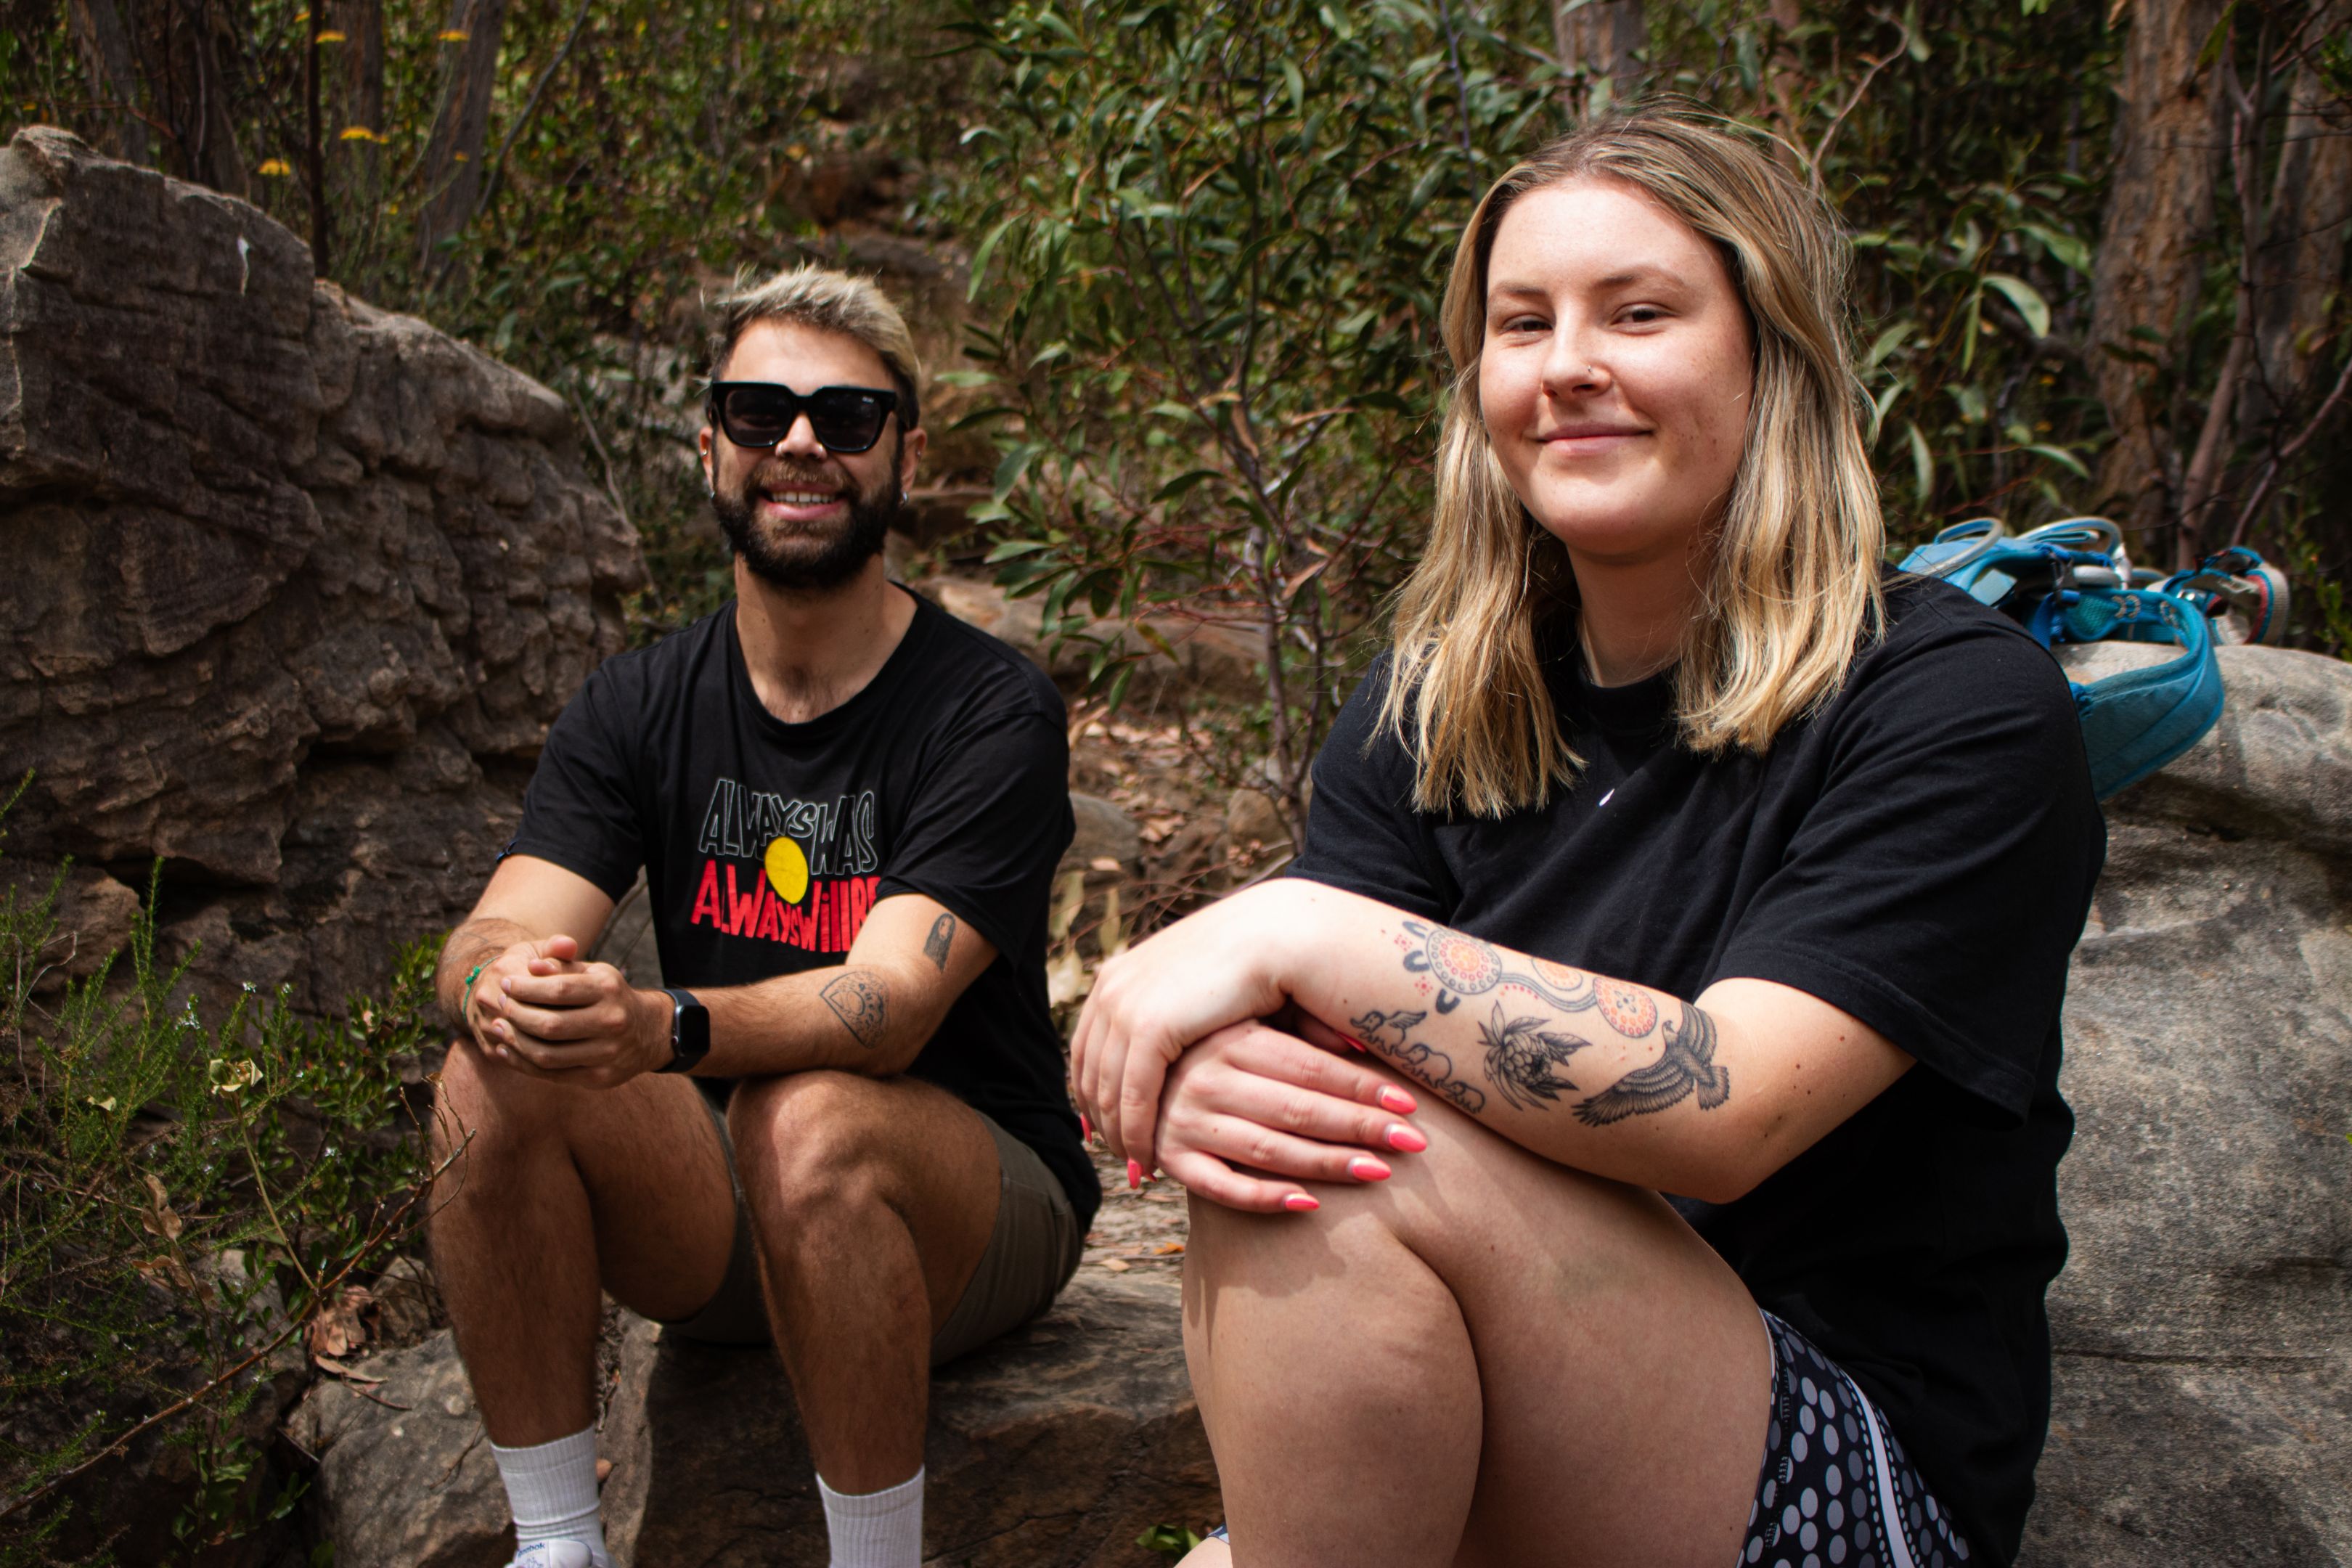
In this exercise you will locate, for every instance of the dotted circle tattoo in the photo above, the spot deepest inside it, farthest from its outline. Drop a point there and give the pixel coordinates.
(1629, 1011)
(1461, 964)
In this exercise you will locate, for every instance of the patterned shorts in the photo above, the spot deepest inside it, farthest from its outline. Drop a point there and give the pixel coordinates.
(1836, 1490)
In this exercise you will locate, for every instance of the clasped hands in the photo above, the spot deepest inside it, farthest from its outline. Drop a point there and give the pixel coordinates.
(1193, 1057)
(538, 1009)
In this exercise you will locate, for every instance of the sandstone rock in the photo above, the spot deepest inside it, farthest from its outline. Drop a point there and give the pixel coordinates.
(405, 1477)
(1058, 1445)
(2204, 1327)
(1104, 832)
(296, 586)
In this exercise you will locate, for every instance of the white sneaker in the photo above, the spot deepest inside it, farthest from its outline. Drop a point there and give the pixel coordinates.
(554, 1554)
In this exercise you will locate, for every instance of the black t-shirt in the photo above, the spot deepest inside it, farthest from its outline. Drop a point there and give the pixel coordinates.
(947, 775)
(1920, 852)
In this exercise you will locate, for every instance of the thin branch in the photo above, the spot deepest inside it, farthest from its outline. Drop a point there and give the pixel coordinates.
(530, 107)
(384, 1232)
(2287, 454)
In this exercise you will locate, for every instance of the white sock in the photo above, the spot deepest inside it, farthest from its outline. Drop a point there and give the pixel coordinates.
(875, 1529)
(552, 1489)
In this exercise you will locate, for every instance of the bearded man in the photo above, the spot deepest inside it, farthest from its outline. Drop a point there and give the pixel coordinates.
(842, 1128)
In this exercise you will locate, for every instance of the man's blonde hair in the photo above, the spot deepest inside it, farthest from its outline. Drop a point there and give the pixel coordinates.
(1790, 589)
(830, 302)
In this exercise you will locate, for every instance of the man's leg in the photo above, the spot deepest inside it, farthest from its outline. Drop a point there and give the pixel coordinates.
(873, 1200)
(550, 1183)
(1487, 1360)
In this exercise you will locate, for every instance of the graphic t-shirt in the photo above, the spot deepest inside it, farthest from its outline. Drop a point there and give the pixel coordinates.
(765, 844)
(1920, 852)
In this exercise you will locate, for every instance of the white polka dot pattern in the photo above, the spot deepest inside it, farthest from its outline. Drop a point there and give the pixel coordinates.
(1836, 1489)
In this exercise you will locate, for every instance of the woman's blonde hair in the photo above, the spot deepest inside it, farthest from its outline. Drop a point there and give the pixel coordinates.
(1790, 590)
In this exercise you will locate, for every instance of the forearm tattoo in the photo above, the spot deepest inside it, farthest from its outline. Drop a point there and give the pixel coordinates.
(1462, 966)
(860, 1000)
(942, 937)
(1525, 1052)
(1391, 1032)
(1687, 1063)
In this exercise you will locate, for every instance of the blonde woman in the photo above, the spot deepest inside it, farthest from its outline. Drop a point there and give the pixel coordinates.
(1630, 1136)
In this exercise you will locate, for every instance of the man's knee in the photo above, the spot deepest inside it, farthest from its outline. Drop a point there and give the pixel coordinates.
(807, 1140)
(485, 1112)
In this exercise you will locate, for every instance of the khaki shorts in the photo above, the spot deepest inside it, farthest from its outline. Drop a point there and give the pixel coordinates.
(1032, 1253)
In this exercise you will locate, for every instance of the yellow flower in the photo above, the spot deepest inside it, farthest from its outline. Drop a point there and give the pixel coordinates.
(358, 134)
(277, 167)
(455, 35)
(331, 36)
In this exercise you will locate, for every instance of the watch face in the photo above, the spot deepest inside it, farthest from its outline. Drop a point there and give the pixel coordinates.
(693, 1029)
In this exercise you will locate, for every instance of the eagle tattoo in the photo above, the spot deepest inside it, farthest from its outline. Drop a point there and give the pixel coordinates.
(1521, 1055)
(1687, 1064)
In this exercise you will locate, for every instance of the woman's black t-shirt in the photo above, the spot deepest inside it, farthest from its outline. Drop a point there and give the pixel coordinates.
(1920, 852)
(946, 776)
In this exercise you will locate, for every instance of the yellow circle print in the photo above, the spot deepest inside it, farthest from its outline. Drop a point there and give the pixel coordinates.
(787, 868)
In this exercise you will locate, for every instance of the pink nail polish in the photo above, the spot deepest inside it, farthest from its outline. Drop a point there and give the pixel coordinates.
(1134, 1175)
(1356, 1044)
(1299, 1203)
(1086, 1128)
(1394, 1098)
(1406, 1140)
(1364, 1168)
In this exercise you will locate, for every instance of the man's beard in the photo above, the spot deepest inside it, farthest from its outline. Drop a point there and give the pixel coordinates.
(805, 559)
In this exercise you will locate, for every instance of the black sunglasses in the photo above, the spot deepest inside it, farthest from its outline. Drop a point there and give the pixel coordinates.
(758, 413)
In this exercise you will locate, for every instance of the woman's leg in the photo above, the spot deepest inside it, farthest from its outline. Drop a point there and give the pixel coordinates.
(1488, 1360)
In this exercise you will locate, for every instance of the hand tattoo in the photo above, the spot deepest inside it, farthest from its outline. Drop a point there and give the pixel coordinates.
(936, 945)
(859, 1000)
(1520, 1055)
(1388, 1034)
(1687, 1064)
(1464, 966)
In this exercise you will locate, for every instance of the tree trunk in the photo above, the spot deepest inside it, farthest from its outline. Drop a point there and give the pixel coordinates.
(2167, 144)
(1598, 41)
(2303, 246)
(453, 158)
(105, 47)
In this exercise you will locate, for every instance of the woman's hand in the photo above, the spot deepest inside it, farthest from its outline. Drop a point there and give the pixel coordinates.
(1252, 1096)
(1221, 966)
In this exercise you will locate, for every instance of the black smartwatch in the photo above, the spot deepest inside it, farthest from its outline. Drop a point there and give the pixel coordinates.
(689, 1031)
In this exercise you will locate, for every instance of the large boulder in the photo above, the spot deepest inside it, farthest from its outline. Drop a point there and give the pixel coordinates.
(295, 586)
(1058, 1445)
(2203, 1326)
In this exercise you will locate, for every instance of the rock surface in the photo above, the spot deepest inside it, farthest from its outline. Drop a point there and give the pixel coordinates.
(295, 586)
(1058, 1445)
(2204, 1327)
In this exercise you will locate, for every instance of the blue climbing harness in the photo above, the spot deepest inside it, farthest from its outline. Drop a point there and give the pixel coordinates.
(2069, 583)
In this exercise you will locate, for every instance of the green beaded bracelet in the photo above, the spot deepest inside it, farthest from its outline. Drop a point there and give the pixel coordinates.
(466, 1003)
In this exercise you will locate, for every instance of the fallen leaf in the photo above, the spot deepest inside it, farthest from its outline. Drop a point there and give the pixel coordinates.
(604, 1468)
(159, 1219)
(1167, 1248)
(335, 1329)
(1116, 1265)
(1103, 863)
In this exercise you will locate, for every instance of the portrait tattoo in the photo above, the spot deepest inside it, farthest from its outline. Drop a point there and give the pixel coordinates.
(1391, 1034)
(1521, 1055)
(1687, 1064)
(858, 999)
(1464, 966)
(942, 937)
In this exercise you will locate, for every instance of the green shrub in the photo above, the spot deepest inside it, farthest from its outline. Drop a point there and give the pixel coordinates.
(178, 1198)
